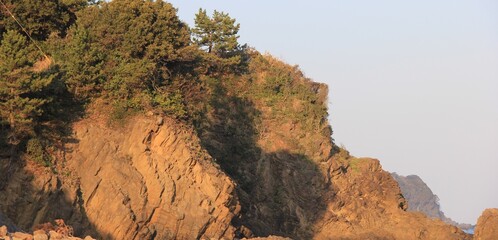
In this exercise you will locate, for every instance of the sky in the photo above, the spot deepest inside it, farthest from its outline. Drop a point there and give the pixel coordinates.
(412, 83)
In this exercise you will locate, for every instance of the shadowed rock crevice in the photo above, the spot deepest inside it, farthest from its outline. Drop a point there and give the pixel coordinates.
(34, 195)
(281, 192)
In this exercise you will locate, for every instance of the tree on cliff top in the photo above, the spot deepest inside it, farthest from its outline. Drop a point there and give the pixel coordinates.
(218, 34)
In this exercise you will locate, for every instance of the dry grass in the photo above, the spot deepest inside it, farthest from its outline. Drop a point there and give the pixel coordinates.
(43, 64)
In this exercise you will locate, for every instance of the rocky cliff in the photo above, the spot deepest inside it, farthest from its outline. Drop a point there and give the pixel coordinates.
(260, 162)
(420, 198)
(148, 180)
(368, 205)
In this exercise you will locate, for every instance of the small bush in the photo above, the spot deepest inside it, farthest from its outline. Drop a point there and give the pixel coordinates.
(36, 152)
(170, 103)
(119, 111)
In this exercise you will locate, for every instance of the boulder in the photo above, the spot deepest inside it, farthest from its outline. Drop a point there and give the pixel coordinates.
(40, 235)
(22, 236)
(55, 235)
(3, 231)
(487, 225)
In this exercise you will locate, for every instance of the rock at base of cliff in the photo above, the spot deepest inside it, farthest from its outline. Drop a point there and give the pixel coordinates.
(487, 225)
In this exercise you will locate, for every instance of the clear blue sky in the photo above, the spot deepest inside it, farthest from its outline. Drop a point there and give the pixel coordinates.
(412, 83)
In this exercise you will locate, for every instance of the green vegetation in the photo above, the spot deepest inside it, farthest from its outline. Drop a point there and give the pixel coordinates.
(36, 152)
(136, 55)
(216, 35)
(21, 87)
(39, 19)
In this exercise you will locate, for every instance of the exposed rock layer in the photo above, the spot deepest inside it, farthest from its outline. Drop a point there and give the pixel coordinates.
(151, 181)
(142, 181)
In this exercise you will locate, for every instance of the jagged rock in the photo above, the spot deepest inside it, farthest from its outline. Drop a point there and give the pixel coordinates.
(3, 231)
(159, 121)
(487, 225)
(55, 235)
(22, 236)
(170, 190)
(40, 235)
(369, 205)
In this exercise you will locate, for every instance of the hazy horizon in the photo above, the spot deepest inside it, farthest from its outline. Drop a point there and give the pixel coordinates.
(414, 84)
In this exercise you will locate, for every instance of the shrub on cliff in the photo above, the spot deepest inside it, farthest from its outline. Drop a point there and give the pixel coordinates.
(36, 152)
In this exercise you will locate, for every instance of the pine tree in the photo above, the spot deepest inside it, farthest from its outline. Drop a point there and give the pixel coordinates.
(82, 63)
(19, 86)
(216, 35)
(39, 18)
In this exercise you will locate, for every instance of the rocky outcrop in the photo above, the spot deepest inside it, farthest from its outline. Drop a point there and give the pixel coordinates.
(368, 205)
(487, 225)
(37, 235)
(148, 179)
(421, 199)
(151, 180)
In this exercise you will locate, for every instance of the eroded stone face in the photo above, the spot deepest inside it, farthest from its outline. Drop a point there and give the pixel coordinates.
(368, 205)
(152, 180)
(149, 179)
(487, 225)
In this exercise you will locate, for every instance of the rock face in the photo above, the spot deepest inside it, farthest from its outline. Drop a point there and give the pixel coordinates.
(369, 205)
(487, 225)
(421, 199)
(145, 181)
(155, 181)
